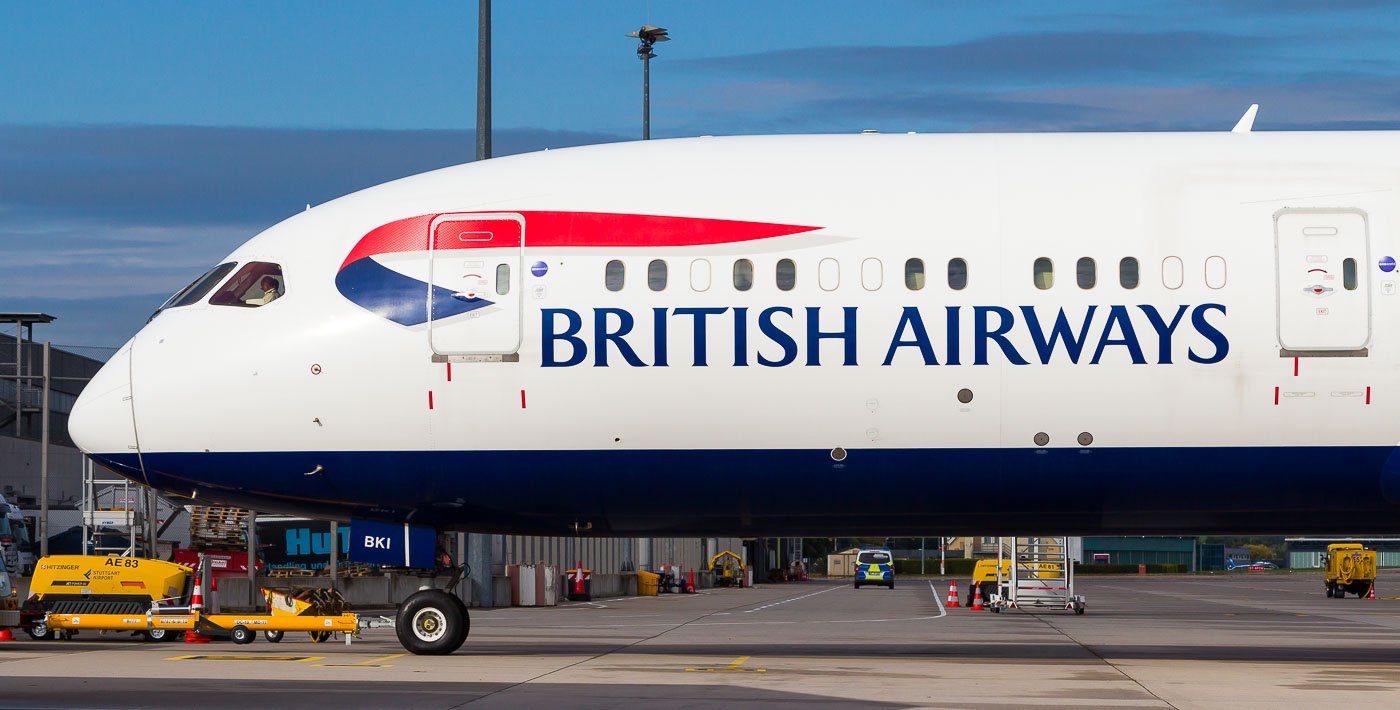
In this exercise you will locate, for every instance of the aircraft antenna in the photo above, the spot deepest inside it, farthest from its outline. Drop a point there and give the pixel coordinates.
(1246, 122)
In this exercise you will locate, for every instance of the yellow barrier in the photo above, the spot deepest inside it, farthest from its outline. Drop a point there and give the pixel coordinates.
(346, 623)
(647, 583)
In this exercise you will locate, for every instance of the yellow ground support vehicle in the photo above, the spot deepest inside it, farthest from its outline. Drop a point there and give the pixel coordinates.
(1349, 568)
(984, 575)
(76, 584)
(728, 569)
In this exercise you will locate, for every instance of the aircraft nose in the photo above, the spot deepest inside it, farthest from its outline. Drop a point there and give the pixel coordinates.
(101, 423)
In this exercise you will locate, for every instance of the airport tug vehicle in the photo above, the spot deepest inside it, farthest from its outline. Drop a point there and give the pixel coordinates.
(160, 600)
(1349, 568)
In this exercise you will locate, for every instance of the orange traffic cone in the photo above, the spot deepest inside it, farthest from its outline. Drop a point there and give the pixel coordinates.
(1372, 594)
(6, 635)
(977, 598)
(690, 586)
(197, 597)
(953, 596)
(580, 592)
(196, 608)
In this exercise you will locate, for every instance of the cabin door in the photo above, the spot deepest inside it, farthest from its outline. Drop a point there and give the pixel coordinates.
(475, 299)
(1324, 298)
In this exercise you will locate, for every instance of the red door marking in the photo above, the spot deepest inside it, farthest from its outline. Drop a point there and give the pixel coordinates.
(1295, 367)
(449, 372)
(1368, 395)
(1276, 396)
(522, 399)
(430, 399)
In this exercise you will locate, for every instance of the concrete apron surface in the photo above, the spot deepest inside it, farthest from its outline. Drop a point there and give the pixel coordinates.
(1226, 641)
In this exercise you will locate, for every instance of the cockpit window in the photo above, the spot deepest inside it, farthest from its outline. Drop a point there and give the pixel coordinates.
(258, 283)
(196, 291)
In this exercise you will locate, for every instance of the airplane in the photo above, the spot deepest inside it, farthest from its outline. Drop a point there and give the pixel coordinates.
(1075, 333)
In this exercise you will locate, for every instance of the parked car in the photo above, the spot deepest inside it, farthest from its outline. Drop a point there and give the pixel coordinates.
(875, 566)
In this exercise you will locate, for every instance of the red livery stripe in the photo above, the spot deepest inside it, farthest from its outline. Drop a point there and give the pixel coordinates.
(583, 229)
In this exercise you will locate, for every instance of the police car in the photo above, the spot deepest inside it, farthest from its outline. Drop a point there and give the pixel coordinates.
(875, 566)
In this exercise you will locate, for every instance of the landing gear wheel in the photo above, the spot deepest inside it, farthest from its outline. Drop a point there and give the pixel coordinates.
(1079, 610)
(273, 636)
(241, 634)
(319, 636)
(432, 623)
(40, 631)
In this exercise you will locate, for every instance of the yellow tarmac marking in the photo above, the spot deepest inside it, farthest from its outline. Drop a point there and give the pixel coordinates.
(363, 664)
(246, 658)
(733, 667)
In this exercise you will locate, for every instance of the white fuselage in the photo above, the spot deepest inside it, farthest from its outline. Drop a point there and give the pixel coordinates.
(1251, 364)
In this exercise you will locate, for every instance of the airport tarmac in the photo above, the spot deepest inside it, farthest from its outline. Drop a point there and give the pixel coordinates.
(1237, 640)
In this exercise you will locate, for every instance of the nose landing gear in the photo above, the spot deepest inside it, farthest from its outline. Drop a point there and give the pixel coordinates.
(432, 623)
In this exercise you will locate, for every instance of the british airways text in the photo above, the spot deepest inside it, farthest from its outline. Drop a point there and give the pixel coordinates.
(952, 335)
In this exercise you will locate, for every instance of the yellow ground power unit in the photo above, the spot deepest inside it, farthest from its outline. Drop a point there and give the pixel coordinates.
(77, 584)
(1350, 568)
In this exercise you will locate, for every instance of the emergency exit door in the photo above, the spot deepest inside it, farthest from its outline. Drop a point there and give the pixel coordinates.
(1324, 296)
(475, 298)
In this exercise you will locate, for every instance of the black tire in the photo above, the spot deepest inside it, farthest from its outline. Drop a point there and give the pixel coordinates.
(273, 636)
(857, 585)
(891, 584)
(432, 623)
(319, 636)
(156, 635)
(40, 631)
(1079, 610)
(1329, 591)
(241, 634)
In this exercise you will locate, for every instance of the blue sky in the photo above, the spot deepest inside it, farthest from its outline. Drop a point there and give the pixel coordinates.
(141, 141)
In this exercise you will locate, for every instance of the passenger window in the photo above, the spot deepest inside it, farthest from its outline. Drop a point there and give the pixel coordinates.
(787, 274)
(828, 274)
(872, 274)
(1348, 274)
(743, 274)
(1128, 272)
(1044, 273)
(957, 274)
(1215, 272)
(614, 275)
(1085, 273)
(1172, 273)
(258, 283)
(700, 275)
(914, 274)
(502, 279)
(201, 287)
(656, 275)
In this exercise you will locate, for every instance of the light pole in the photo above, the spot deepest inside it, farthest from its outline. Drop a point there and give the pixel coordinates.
(647, 37)
(483, 80)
